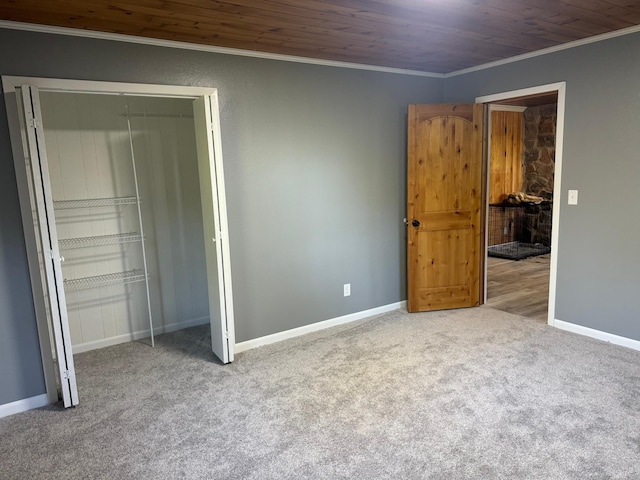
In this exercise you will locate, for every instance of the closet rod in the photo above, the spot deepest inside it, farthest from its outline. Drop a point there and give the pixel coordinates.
(159, 115)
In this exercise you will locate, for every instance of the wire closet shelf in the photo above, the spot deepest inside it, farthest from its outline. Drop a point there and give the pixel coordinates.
(94, 202)
(119, 278)
(99, 240)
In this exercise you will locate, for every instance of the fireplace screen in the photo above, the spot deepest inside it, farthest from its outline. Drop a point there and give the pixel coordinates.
(519, 231)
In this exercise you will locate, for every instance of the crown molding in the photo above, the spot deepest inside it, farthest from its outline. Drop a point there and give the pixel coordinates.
(117, 37)
(545, 51)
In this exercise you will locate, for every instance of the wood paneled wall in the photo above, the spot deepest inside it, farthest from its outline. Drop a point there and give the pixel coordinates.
(506, 156)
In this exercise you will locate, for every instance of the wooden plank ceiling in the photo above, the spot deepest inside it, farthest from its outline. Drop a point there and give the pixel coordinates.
(437, 36)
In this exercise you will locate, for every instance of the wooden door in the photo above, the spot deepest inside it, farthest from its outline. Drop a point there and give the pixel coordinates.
(444, 206)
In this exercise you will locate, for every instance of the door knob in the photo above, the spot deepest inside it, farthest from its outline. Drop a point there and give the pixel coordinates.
(415, 223)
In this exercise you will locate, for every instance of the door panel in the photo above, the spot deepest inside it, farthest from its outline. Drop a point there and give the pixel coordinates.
(444, 192)
(57, 305)
(448, 250)
(215, 230)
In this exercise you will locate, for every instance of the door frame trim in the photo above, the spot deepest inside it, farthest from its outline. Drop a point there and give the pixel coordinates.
(9, 86)
(560, 88)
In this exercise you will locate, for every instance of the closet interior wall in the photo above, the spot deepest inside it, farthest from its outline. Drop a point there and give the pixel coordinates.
(89, 157)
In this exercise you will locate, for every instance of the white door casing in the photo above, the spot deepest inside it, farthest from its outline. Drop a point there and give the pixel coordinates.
(207, 123)
(560, 88)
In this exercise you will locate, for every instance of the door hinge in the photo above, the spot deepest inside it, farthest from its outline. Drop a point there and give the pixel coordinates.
(33, 122)
(226, 335)
(65, 374)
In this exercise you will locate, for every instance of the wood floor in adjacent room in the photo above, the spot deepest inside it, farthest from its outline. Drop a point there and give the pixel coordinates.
(520, 287)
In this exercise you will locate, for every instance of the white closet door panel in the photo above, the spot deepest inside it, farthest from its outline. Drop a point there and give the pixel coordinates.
(224, 260)
(48, 236)
(220, 334)
(75, 318)
(36, 225)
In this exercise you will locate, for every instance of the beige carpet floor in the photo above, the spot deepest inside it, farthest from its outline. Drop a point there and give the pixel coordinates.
(463, 394)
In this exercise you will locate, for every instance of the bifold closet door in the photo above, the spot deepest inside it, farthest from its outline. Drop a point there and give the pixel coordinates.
(39, 172)
(214, 216)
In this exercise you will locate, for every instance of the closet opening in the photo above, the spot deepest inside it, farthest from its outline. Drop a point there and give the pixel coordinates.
(122, 193)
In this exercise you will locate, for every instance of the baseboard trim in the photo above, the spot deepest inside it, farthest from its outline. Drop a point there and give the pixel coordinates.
(314, 327)
(598, 334)
(24, 405)
(139, 335)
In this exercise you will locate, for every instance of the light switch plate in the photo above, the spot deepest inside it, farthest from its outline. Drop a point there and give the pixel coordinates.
(573, 197)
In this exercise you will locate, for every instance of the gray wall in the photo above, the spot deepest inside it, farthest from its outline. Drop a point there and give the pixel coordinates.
(21, 374)
(598, 254)
(315, 172)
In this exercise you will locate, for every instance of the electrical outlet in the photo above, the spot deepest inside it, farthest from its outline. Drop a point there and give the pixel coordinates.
(347, 289)
(573, 197)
